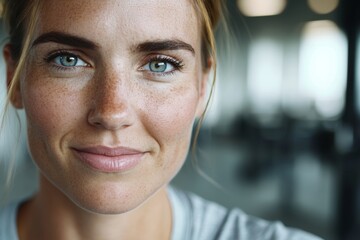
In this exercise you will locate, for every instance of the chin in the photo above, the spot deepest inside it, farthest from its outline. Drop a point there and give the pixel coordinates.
(110, 199)
(106, 208)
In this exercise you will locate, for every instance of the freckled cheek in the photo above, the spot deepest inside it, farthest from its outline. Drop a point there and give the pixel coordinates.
(172, 117)
(48, 111)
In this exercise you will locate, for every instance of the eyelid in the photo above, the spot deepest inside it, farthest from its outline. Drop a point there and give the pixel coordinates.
(49, 58)
(175, 62)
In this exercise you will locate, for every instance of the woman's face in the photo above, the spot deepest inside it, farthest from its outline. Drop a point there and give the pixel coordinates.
(110, 91)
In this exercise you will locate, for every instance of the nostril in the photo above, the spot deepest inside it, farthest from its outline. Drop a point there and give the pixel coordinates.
(94, 120)
(98, 124)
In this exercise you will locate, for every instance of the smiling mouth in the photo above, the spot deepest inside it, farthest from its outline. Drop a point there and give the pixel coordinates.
(109, 160)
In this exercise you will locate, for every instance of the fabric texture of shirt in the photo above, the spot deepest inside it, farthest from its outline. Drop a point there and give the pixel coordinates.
(194, 218)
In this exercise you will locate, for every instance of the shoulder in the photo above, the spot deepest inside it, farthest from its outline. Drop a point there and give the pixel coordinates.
(8, 221)
(197, 218)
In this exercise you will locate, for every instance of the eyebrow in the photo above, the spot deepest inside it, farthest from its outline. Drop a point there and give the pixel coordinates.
(76, 41)
(163, 45)
(65, 38)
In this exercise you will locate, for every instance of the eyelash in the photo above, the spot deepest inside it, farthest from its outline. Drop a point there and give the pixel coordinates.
(177, 64)
(51, 57)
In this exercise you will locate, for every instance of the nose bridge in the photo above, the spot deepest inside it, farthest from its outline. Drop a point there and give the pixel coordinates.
(110, 91)
(111, 108)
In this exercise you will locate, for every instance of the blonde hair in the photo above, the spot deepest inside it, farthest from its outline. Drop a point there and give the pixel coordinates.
(20, 19)
(210, 12)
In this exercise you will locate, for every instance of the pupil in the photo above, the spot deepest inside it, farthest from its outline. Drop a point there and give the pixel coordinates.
(158, 66)
(69, 61)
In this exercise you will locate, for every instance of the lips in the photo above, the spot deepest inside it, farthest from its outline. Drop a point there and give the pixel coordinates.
(109, 160)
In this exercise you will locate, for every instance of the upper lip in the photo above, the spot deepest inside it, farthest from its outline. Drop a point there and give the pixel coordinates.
(108, 151)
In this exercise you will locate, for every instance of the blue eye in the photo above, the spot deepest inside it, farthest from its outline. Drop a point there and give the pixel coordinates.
(162, 65)
(159, 66)
(67, 60)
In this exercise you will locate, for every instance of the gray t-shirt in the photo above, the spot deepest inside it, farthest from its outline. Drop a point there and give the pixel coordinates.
(195, 218)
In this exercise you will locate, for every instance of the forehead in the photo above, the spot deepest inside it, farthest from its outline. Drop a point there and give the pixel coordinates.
(127, 19)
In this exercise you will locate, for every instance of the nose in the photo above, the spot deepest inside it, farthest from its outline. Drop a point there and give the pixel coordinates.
(111, 109)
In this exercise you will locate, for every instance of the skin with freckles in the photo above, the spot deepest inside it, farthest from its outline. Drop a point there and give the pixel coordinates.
(118, 74)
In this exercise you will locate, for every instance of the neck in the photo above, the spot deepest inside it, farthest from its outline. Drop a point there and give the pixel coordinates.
(51, 215)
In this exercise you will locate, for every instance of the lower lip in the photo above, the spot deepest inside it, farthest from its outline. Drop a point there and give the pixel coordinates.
(110, 164)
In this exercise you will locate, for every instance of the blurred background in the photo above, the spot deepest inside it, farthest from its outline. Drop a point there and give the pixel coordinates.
(281, 138)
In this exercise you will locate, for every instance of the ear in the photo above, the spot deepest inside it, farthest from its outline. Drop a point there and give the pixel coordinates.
(203, 88)
(11, 64)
